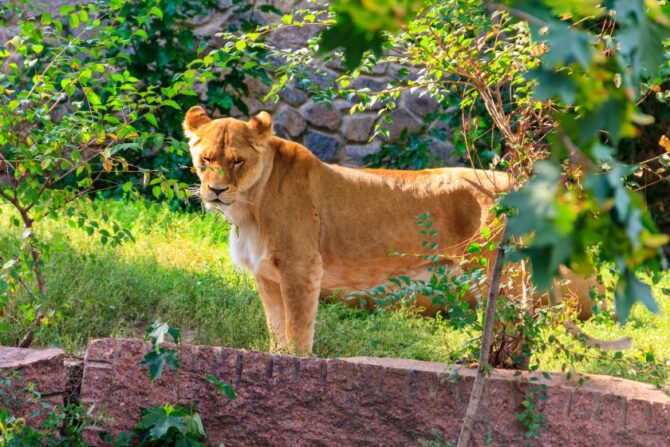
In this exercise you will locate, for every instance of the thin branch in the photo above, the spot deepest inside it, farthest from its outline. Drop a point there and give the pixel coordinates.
(516, 13)
(487, 340)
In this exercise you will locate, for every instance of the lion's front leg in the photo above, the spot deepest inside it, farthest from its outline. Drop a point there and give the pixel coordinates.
(300, 288)
(273, 305)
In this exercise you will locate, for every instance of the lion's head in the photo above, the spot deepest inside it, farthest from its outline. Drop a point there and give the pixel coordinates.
(228, 154)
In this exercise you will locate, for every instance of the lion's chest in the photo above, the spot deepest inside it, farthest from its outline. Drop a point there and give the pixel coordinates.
(248, 250)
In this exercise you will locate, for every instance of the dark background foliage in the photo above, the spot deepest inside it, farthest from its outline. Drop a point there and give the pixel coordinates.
(165, 46)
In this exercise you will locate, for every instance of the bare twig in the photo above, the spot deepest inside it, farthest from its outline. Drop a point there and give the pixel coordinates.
(516, 13)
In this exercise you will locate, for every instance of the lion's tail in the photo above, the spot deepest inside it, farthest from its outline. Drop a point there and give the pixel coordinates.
(619, 344)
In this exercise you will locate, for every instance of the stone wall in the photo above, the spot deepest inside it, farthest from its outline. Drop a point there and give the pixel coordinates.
(291, 401)
(330, 131)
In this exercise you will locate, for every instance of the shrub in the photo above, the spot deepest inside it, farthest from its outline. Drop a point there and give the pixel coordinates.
(68, 117)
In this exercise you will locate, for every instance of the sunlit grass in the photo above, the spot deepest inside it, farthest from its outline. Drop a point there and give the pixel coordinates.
(178, 269)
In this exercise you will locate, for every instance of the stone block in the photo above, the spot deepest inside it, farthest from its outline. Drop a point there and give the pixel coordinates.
(419, 102)
(370, 83)
(293, 96)
(357, 128)
(402, 120)
(357, 152)
(321, 115)
(41, 370)
(288, 122)
(322, 145)
(289, 37)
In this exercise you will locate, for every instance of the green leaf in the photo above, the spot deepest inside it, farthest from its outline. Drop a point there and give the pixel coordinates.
(65, 10)
(608, 116)
(552, 84)
(157, 332)
(152, 119)
(157, 360)
(567, 45)
(534, 200)
(171, 103)
(224, 388)
(9, 264)
(240, 45)
(640, 38)
(142, 34)
(175, 333)
(194, 425)
(155, 10)
(474, 247)
(74, 21)
(543, 270)
(628, 290)
(158, 421)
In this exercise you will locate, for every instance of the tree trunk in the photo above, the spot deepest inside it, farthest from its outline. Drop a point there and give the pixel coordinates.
(487, 340)
(27, 338)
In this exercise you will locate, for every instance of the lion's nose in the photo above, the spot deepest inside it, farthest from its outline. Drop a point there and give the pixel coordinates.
(218, 191)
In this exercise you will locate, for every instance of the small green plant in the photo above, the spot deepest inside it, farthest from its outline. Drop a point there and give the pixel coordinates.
(172, 424)
(452, 280)
(531, 416)
(447, 286)
(61, 426)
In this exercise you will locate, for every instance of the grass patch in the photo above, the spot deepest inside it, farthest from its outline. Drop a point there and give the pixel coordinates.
(178, 269)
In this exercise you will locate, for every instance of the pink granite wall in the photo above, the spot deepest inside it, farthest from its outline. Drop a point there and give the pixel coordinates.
(291, 401)
(30, 369)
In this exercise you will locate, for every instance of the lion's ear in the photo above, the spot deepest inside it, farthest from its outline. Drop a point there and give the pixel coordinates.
(261, 125)
(195, 118)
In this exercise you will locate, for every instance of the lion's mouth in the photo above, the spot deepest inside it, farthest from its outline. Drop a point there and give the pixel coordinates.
(217, 201)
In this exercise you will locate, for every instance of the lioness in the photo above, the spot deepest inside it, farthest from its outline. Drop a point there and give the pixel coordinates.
(303, 226)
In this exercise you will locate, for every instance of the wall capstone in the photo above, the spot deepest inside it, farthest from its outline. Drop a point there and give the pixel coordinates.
(41, 368)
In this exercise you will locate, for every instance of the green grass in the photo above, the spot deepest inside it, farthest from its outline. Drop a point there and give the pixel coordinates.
(178, 269)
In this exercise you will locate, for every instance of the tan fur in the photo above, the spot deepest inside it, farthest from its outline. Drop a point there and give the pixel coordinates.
(303, 226)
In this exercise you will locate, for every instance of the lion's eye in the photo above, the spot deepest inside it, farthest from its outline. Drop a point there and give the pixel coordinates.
(238, 162)
(207, 159)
